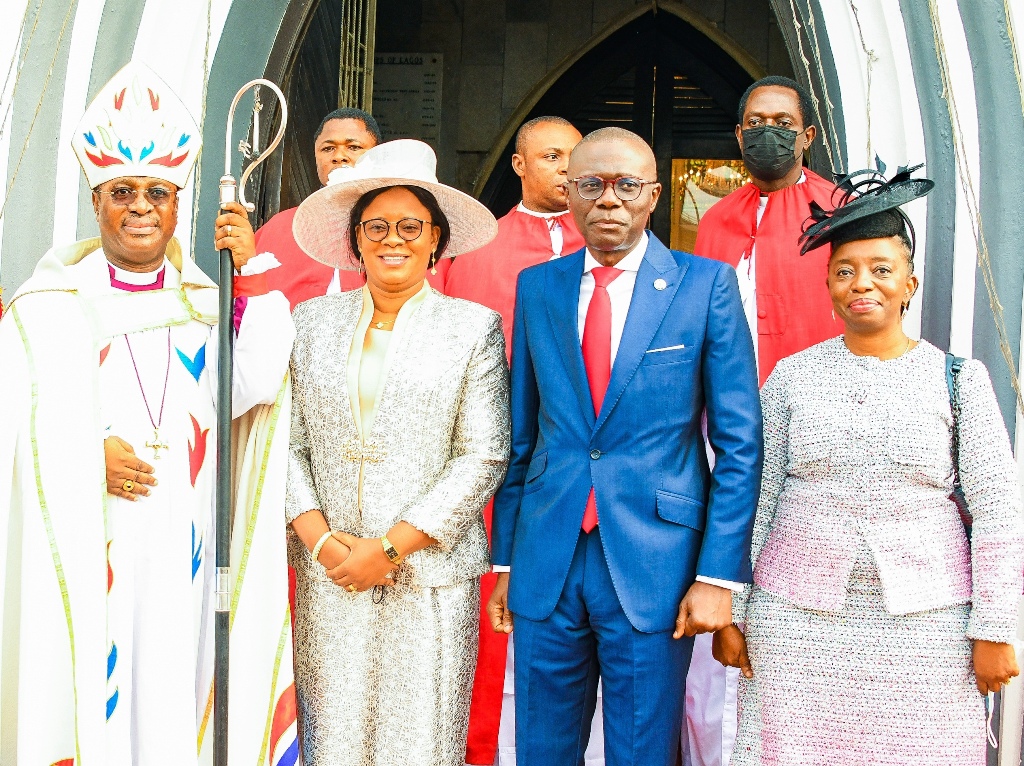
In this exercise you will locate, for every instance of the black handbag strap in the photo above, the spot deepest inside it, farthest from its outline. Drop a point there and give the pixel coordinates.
(953, 366)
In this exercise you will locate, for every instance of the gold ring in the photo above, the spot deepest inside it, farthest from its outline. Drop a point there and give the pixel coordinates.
(128, 485)
(229, 229)
(350, 588)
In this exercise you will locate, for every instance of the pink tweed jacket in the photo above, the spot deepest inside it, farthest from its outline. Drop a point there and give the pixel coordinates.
(860, 448)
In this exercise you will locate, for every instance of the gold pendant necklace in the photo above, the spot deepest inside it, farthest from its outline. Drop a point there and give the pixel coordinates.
(382, 325)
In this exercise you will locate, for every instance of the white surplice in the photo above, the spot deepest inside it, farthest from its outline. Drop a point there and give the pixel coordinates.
(107, 611)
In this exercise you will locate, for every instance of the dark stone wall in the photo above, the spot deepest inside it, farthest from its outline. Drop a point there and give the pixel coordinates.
(497, 51)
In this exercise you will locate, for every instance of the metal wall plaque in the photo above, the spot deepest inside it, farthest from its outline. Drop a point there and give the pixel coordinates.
(407, 95)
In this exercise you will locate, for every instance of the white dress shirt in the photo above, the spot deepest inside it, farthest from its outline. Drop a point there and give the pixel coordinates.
(746, 274)
(620, 291)
(620, 294)
(554, 228)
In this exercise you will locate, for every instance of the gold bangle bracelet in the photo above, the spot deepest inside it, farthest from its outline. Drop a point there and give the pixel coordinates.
(320, 544)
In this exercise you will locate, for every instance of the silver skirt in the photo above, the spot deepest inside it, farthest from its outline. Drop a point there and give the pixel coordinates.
(860, 686)
(388, 683)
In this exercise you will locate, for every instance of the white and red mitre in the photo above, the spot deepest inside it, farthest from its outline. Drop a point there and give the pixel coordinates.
(137, 126)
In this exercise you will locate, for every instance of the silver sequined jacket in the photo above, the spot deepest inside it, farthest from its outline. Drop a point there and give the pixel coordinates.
(440, 438)
(860, 448)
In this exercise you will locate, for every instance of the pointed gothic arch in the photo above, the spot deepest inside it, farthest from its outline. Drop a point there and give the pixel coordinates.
(621, 77)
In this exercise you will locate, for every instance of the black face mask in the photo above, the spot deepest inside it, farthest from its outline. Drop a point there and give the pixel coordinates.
(769, 152)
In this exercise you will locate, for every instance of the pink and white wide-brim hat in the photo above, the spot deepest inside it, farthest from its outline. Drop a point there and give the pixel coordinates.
(323, 221)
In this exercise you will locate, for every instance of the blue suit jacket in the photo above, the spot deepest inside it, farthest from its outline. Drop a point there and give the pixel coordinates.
(664, 516)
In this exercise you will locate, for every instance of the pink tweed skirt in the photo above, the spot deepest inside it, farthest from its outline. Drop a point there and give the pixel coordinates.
(860, 686)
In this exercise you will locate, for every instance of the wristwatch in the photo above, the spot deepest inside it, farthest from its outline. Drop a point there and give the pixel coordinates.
(389, 551)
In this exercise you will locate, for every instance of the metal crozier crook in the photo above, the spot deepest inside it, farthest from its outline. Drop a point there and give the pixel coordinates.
(226, 352)
(227, 181)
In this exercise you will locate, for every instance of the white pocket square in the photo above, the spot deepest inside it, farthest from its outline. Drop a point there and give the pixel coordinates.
(666, 348)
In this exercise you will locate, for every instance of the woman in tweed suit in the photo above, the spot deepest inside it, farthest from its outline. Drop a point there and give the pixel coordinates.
(873, 621)
(400, 435)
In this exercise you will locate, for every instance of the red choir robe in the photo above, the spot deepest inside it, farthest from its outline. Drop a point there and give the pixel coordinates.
(300, 277)
(794, 310)
(488, 276)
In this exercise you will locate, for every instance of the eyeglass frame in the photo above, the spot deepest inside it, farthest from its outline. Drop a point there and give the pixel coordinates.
(574, 182)
(171, 194)
(420, 221)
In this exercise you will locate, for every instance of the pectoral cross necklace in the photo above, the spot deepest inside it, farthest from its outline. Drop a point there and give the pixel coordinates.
(156, 445)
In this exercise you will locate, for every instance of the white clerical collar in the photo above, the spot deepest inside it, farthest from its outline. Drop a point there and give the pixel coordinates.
(524, 209)
(137, 277)
(631, 262)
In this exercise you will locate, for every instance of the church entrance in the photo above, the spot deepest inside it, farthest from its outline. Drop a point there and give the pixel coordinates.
(663, 79)
(668, 75)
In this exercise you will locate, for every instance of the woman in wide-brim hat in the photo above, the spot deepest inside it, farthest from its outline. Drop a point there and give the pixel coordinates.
(874, 621)
(400, 435)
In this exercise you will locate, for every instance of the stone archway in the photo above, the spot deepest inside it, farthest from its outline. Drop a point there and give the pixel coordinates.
(663, 73)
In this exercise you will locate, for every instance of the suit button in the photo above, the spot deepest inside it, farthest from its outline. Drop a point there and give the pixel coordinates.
(762, 313)
(595, 454)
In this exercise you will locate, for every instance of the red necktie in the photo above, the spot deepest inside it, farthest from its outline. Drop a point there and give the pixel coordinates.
(597, 357)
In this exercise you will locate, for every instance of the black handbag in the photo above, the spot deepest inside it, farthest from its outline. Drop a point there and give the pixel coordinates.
(953, 365)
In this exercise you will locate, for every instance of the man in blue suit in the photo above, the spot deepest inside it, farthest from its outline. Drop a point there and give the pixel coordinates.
(622, 544)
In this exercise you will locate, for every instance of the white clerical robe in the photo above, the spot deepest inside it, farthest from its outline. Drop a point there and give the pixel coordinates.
(107, 612)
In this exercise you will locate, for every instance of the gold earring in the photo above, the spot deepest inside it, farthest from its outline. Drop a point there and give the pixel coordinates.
(433, 262)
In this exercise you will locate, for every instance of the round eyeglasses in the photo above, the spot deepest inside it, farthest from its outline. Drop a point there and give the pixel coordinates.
(125, 196)
(377, 229)
(626, 188)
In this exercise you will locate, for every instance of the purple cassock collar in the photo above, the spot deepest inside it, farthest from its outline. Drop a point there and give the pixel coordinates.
(156, 284)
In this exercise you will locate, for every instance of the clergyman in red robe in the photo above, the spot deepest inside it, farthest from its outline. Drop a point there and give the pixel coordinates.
(538, 229)
(756, 229)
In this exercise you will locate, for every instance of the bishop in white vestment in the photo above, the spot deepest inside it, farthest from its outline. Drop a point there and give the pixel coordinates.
(107, 475)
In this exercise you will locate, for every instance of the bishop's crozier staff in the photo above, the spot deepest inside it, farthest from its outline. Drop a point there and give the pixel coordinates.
(107, 442)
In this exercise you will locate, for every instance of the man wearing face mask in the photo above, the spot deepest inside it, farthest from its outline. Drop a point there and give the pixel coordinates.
(756, 230)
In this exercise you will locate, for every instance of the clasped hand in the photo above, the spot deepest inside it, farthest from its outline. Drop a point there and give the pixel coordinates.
(363, 565)
(124, 467)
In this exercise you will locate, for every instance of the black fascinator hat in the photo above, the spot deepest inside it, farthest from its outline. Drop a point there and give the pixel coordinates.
(867, 207)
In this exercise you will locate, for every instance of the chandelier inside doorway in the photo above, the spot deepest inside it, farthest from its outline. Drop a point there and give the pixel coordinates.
(355, 65)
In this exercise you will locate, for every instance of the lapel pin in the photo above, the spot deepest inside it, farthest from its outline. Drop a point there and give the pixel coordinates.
(660, 284)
